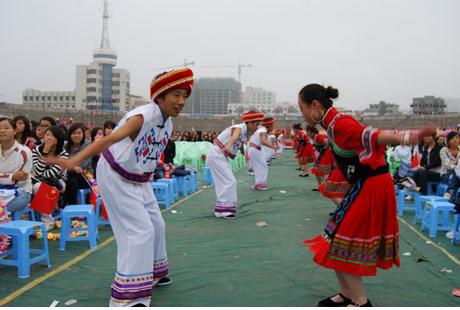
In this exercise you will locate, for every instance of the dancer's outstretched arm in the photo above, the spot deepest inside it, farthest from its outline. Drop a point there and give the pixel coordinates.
(130, 129)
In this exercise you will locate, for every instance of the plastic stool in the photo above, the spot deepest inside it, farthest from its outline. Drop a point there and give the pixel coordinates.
(163, 193)
(192, 184)
(17, 214)
(440, 191)
(456, 227)
(68, 213)
(174, 186)
(81, 198)
(431, 214)
(183, 184)
(402, 202)
(430, 190)
(20, 232)
(206, 175)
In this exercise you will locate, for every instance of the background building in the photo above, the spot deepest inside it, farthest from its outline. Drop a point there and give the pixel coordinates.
(428, 105)
(382, 108)
(99, 85)
(213, 95)
(259, 99)
(452, 105)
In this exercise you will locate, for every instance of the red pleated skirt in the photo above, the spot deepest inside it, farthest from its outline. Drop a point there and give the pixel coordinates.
(335, 186)
(307, 154)
(367, 237)
(325, 164)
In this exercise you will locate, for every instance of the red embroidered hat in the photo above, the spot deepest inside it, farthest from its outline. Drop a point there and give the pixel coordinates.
(252, 116)
(175, 79)
(268, 121)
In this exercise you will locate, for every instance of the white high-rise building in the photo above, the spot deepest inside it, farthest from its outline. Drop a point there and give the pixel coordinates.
(260, 99)
(99, 86)
(452, 105)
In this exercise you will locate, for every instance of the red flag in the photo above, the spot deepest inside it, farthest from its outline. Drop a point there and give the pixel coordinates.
(415, 160)
(93, 201)
(45, 198)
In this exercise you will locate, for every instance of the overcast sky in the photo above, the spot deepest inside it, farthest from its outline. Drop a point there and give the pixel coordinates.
(371, 50)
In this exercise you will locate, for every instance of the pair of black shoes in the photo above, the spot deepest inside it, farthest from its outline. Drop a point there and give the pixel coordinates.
(328, 302)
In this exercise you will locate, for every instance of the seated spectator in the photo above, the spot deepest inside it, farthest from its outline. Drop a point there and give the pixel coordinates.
(109, 126)
(450, 156)
(430, 163)
(53, 145)
(96, 133)
(23, 132)
(15, 168)
(75, 179)
(45, 123)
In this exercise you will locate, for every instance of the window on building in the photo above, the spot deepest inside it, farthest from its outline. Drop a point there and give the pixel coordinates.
(37, 98)
(91, 80)
(43, 98)
(89, 89)
(91, 71)
(73, 98)
(31, 98)
(67, 98)
(61, 98)
(55, 98)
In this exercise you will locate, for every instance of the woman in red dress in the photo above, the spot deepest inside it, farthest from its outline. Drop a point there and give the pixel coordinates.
(362, 234)
(305, 151)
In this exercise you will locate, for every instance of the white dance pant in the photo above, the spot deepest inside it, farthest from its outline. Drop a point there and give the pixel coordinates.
(259, 166)
(224, 182)
(139, 230)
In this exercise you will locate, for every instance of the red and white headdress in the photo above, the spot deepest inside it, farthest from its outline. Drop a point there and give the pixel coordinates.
(175, 79)
(252, 116)
(268, 121)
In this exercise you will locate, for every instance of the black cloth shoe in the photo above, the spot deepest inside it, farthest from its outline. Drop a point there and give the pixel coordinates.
(164, 281)
(139, 305)
(314, 190)
(303, 175)
(367, 304)
(328, 302)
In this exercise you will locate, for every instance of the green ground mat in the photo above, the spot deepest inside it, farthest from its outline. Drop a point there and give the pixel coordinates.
(218, 262)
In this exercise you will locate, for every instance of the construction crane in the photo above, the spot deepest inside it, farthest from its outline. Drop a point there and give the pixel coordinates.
(239, 66)
(185, 64)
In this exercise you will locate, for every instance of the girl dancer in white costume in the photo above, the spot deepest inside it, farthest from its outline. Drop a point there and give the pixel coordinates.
(225, 147)
(257, 156)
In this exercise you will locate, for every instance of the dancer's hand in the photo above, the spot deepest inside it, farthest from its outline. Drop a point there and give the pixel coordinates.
(68, 164)
(428, 130)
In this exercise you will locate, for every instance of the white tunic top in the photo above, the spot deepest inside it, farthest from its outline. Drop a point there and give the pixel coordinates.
(255, 138)
(141, 155)
(225, 136)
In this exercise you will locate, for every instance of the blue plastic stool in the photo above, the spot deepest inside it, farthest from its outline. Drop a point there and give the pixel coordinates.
(402, 202)
(174, 186)
(163, 193)
(440, 191)
(207, 176)
(20, 232)
(456, 227)
(68, 213)
(81, 198)
(430, 218)
(193, 184)
(430, 190)
(99, 218)
(183, 184)
(17, 214)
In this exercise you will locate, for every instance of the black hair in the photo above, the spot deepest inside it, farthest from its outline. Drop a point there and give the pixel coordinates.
(71, 130)
(27, 131)
(34, 123)
(51, 120)
(312, 129)
(94, 132)
(296, 126)
(64, 129)
(318, 92)
(9, 120)
(452, 135)
(60, 137)
(110, 124)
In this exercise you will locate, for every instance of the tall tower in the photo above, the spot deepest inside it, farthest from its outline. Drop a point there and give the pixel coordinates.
(106, 58)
